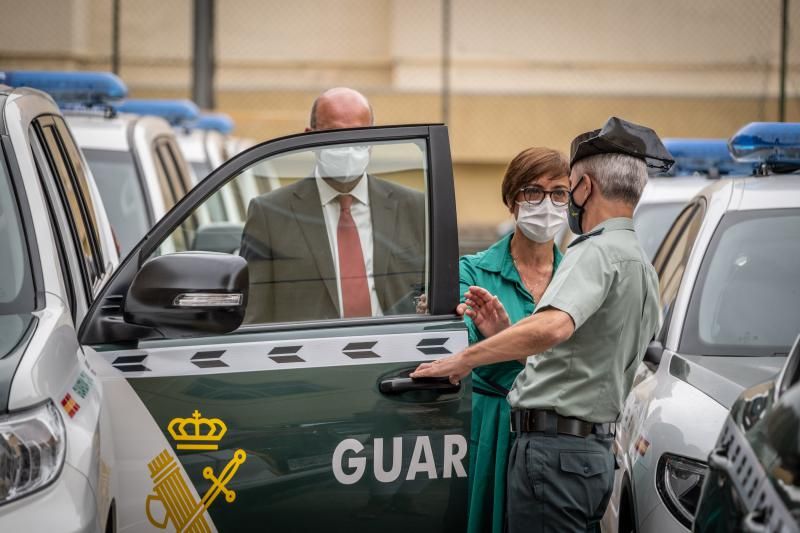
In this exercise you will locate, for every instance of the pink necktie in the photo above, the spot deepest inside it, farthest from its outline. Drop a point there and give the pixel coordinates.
(352, 272)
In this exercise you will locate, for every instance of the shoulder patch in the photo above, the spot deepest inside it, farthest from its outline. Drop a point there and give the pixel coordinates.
(585, 236)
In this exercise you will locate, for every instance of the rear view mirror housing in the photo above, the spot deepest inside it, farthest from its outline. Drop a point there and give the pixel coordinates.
(189, 292)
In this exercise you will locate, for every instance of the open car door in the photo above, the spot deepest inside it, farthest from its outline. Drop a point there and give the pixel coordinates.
(243, 395)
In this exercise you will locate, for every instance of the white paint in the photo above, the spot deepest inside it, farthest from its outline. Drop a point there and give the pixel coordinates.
(455, 449)
(356, 464)
(422, 459)
(396, 458)
(349, 467)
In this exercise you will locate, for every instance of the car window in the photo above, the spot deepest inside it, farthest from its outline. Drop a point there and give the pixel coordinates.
(123, 195)
(16, 281)
(313, 255)
(84, 235)
(672, 256)
(745, 301)
(651, 223)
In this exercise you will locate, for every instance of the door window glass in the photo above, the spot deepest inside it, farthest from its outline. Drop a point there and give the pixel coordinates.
(345, 236)
(122, 193)
(72, 199)
(651, 222)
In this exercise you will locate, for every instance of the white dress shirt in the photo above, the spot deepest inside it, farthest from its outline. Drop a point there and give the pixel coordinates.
(363, 219)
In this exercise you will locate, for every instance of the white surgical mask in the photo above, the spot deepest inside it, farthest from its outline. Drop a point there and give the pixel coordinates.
(343, 164)
(540, 223)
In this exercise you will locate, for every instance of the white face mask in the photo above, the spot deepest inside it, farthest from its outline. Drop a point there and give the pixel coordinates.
(540, 223)
(344, 164)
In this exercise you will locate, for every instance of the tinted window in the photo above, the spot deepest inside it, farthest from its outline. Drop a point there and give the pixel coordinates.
(651, 222)
(745, 301)
(16, 281)
(123, 197)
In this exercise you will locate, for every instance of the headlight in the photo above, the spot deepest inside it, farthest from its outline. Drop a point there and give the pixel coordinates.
(679, 481)
(32, 447)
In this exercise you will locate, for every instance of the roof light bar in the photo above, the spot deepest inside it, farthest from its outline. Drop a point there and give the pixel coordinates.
(176, 112)
(221, 122)
(704, 156)
(85, 88)
(775, 145)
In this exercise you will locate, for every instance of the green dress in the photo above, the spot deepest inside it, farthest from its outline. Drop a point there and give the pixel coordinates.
(494, 270)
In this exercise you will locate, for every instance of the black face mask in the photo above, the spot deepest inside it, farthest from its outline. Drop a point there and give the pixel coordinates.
(575, 211)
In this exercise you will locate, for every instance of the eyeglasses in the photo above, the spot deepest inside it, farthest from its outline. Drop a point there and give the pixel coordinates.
(536, 195)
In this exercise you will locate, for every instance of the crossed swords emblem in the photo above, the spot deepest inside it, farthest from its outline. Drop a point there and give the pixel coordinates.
(180, 506)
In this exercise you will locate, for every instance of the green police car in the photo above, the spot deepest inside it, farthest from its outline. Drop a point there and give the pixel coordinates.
(192, 390)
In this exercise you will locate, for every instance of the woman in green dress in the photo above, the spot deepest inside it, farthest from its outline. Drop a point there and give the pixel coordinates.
(516, 270)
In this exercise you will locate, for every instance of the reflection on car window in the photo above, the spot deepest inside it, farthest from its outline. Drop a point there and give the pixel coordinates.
(345, 236)
(122, 194)
(745, 301)
(651, 223)
(16, 287)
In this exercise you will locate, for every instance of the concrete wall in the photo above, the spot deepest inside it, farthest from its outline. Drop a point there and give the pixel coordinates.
(523, 73)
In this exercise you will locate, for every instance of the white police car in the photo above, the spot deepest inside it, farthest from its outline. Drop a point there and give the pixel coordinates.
(728, 288)
(132, 398)
(56, 470)
(132, 152)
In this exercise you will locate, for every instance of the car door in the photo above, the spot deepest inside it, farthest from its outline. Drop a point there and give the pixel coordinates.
(299, 418)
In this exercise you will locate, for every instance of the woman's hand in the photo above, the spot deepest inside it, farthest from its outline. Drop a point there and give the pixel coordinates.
(485, 310)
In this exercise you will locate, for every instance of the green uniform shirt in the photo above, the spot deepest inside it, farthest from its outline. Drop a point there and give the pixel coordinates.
(610, 289)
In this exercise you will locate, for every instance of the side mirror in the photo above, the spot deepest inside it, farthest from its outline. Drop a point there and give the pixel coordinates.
(653, 353)
(189, 292)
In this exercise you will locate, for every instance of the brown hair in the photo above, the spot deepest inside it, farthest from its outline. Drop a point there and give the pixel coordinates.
(530, 164)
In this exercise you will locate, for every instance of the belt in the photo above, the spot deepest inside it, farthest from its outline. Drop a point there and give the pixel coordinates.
(546, 421)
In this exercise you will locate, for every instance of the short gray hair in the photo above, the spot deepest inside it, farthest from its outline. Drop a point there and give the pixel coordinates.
(619, 176)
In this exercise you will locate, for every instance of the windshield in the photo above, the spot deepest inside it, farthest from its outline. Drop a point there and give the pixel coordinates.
(121, 190)
(16, 279)
(746, 300)
(651, 223)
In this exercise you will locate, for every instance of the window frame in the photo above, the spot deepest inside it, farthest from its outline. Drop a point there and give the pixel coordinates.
(104, 325)
(39, 125)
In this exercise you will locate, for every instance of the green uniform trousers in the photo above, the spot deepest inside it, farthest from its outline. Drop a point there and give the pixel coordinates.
(558, 483)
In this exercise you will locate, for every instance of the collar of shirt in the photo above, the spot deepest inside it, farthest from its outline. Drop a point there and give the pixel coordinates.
(497, 258)
(615, 224)
(327, 194)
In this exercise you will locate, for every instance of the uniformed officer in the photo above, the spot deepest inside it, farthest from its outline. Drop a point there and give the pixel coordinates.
(587, 337)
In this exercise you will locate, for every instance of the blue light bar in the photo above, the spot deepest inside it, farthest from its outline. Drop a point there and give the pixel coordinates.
(774, 143)
(173, 111)
(704, 156)
(86, 88)
(221, 122)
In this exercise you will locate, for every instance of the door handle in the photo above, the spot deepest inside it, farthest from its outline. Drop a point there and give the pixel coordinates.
(754, 522)
(400, 385)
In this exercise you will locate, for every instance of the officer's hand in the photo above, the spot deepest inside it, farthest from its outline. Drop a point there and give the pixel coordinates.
(452, 367)
(486, 311)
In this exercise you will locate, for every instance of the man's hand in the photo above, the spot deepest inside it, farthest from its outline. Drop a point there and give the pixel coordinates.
(485, 310)
(453, 367)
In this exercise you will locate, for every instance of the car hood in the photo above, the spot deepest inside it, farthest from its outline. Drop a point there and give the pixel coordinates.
(15, 333)
(724, 378)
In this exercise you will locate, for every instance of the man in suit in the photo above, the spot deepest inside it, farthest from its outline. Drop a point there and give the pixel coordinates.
(341, 243)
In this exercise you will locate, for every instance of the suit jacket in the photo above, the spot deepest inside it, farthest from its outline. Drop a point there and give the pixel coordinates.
(292, 275)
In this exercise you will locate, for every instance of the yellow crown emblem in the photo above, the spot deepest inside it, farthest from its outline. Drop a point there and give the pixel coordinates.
(197, 433)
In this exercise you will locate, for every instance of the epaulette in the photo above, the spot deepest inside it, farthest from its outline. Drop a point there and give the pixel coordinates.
(585, 236)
